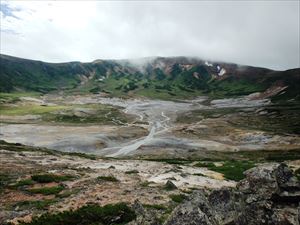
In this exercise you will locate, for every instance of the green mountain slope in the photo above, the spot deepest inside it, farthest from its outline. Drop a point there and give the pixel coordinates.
(165, 78)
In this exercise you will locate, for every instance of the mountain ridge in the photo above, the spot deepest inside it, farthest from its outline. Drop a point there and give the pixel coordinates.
(145, 59)
(160, 77)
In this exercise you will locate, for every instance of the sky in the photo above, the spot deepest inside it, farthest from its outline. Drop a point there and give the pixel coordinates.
(257, 33)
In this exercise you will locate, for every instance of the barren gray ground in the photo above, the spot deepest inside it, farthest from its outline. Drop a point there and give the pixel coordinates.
(155, 128)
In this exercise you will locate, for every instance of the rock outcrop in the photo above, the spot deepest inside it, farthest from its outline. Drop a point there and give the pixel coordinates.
(269, 194)
(144, 217)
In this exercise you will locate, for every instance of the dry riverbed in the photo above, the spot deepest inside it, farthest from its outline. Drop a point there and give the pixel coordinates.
(117, 127)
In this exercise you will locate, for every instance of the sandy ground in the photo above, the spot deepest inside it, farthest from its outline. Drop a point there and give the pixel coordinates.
(87, 139)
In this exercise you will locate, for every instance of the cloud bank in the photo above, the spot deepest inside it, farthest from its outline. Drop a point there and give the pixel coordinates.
(259, 33)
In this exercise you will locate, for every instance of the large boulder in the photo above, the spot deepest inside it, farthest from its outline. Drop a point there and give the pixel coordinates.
(269, 194)
(193, 212)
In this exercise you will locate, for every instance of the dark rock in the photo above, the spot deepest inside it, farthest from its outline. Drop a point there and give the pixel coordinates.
(170, 185)
(269, 194)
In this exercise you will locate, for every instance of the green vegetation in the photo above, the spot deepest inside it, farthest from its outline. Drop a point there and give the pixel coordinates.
(205, 164)
(107, 178)
(39, 204)
(132, 172)
(270, 156)
(44, 178)
(178, 198)
(47, 190)
(278, 119)
(22, 183)
(89, 113)
(90, 214)
(79, 154)
(28, 109)
(47, 178)
(284, 118)
(218, 156)
(127, 80)
(15, 96)
(178, 161)
(231, 87)
(199, 174)
(37, 76)
(232, 170)
(67, 193)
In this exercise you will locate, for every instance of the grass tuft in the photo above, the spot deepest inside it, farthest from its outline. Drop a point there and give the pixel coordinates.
(22, 183)
(48, 178)
(232, 170)
(47, 190)
(107, 178)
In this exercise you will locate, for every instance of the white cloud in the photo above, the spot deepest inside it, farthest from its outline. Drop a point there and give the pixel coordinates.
(256, 33)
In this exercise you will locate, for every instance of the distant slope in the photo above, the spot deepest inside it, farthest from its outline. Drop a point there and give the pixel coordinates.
(33, 75)
(173, 77)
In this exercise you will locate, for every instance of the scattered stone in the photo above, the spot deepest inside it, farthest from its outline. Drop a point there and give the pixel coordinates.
(170, 185)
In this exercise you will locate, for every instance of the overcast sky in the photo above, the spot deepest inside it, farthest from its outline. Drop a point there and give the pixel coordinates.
(259, 33)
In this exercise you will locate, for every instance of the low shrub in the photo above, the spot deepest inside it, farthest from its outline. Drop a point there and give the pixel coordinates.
(46, 190)
(90, 214)
(232, 170)
(107, 178)
(22, 183)
(39, 204)
(131, 172)
(47, 178)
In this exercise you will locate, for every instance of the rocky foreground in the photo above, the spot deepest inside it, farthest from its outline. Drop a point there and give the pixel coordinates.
(270, 194)
(44, 187)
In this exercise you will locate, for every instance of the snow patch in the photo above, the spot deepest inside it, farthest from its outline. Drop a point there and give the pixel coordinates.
(222, 72)
(208, 64)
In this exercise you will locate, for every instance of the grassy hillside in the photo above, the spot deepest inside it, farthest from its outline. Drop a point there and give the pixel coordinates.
(164, 78)
(38, 76)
